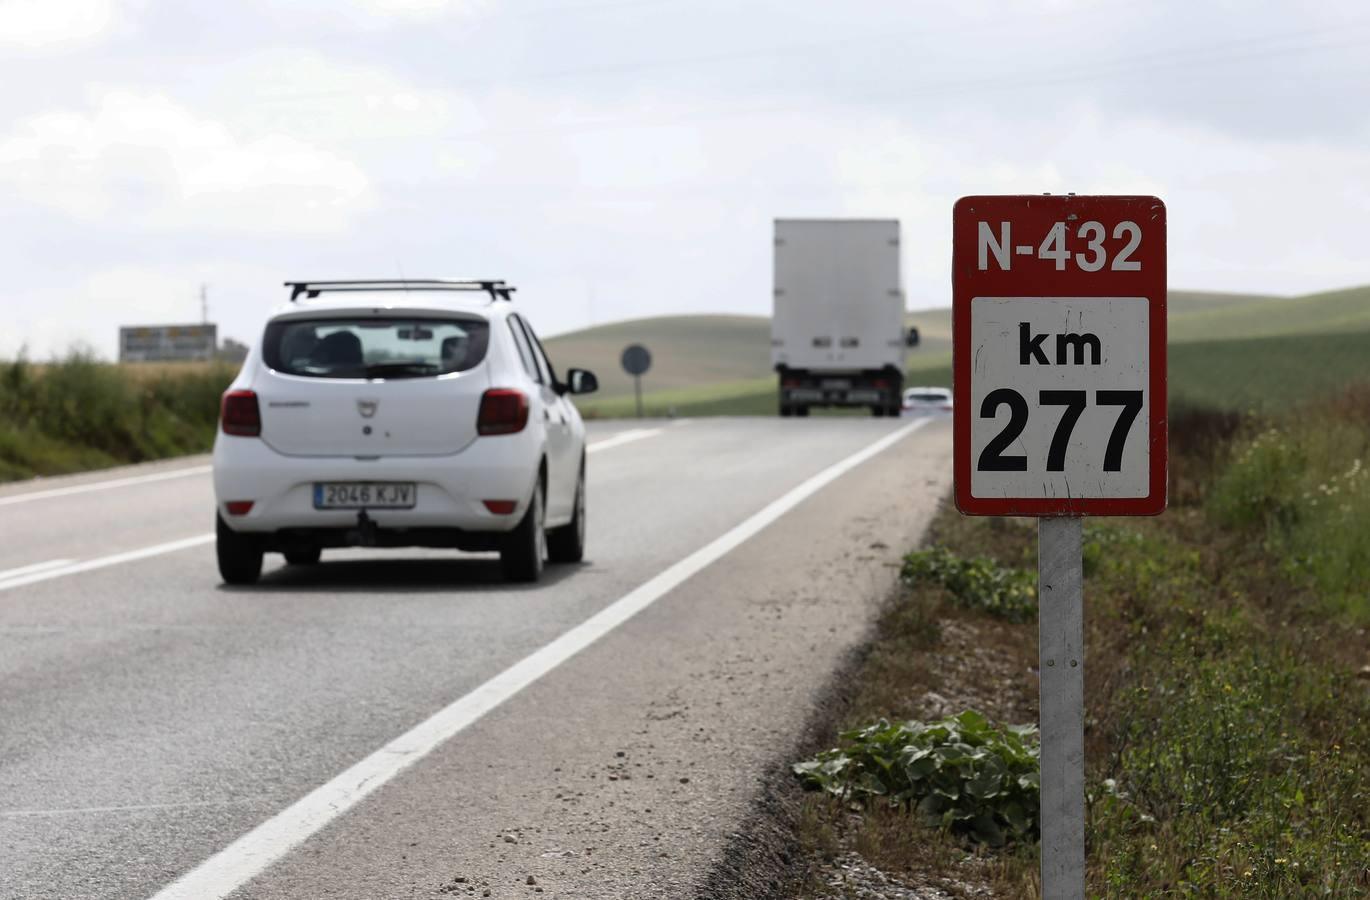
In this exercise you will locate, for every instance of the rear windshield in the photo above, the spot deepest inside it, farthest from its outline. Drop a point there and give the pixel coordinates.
(375, 347)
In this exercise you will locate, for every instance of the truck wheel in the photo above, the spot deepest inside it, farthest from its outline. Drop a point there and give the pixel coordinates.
(526, 546)
(878, 411)
(308, 557)
(801, 410)
(240, 555)
(786, 411)
(567, 543)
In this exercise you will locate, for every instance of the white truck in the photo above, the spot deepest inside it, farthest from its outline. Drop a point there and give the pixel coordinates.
(837, 332)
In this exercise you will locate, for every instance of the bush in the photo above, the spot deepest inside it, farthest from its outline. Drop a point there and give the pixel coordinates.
(961, 773)
(978, 583)
(1304, 492)
(79, 413)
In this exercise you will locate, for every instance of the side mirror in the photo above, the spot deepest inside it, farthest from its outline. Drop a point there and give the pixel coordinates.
(581, 381)
(911, 339)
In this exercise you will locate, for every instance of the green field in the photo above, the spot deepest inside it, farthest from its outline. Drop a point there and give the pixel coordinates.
(1233, 351)
(1228, 350)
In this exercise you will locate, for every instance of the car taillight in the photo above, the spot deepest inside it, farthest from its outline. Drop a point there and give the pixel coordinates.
(239, 414)
(502, 411)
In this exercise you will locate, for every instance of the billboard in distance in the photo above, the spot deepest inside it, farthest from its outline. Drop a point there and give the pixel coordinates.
(168, 343)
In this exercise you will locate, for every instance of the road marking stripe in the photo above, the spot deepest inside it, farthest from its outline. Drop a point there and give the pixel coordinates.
(36, 567)
(59, 567)
(254, 852)
(625, 437)
(103, 561)
(105, 485)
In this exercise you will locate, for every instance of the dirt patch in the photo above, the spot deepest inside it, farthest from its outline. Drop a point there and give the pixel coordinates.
(923, 660)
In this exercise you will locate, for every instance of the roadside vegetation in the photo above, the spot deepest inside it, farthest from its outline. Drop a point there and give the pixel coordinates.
(1227, 681)
(78, 413)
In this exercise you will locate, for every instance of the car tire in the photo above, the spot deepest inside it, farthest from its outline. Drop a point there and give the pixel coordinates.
(878, 411)
(786, 412)
(308, 557)
(567, 543)
(525, 547)
(801, 411)
(240, 555)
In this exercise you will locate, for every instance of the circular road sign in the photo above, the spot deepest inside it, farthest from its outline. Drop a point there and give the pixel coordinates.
(636, 360)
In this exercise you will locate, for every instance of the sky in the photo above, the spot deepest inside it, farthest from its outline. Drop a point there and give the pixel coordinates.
(625, 158)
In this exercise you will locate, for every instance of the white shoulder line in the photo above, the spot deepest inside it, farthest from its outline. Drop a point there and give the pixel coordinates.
(254, 852)
(58, 568)
(623, 437)
(43, 572)
(7, 574)
(105, 485)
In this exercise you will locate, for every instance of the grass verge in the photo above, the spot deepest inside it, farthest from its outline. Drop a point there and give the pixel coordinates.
(1228, 678)
(78, 413)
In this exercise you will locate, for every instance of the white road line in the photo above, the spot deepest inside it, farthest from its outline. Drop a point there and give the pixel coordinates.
(103, 561)
(623, 437)
(105, 485)
(626, 437)
(36, 567)
(254, 852)
(57, 568)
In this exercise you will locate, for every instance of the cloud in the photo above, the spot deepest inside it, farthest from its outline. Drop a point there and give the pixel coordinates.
(1230, 200)
(325, 99)
(48, 24)
(136, 293)
(143, 159)
(416, 9)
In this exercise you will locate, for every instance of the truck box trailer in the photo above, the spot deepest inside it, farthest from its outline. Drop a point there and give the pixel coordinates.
(837, 330)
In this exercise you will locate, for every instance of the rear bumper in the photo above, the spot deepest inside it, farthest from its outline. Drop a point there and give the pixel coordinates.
(364, 533)
(449, 492)
(868, 388)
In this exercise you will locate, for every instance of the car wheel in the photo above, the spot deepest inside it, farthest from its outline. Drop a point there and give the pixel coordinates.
(308, 557)
(526, 546)
(786, 412)
(240, 555)
(567, 543)
(801, 411)
(878, 411)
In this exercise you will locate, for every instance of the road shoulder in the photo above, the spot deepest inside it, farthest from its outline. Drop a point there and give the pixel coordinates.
(630, 770)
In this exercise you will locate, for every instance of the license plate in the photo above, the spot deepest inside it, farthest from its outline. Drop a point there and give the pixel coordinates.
(364, 495)
(836, 384)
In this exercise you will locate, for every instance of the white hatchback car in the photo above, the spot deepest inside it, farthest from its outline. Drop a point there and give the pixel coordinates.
(400, 414)
(927, 401)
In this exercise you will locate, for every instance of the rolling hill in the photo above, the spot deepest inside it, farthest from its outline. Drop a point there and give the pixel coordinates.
(1233, 349)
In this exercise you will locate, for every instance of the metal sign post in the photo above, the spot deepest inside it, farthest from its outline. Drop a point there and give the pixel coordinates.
(1058, 358)
(636, 361)
(1061, 661)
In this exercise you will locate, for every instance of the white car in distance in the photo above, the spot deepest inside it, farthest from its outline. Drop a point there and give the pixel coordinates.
(927, 401)
(400, 414)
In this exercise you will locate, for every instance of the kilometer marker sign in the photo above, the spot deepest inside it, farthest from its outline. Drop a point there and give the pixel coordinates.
(1059, 341)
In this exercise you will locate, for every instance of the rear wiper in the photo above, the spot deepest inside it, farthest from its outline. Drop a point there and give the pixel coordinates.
(400, 369)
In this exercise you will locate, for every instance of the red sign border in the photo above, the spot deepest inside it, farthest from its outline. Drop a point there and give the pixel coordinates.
(962, 294)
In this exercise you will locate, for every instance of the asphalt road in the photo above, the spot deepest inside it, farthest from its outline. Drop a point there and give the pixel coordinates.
(601, 733)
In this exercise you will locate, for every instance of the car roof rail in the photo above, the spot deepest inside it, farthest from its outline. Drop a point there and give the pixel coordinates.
(498, 290)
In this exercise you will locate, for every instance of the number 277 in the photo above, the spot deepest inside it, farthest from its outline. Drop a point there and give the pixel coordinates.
(992, 458)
